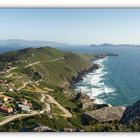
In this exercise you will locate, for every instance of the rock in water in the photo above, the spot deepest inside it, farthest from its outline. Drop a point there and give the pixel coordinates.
(106, 114)
(132, 114)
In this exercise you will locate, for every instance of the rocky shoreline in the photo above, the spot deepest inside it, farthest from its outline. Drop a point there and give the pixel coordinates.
(83, 73)
(101, 113)
(98, 112)
(94, 66)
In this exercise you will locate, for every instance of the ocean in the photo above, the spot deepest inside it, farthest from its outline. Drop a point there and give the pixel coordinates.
(117, 82)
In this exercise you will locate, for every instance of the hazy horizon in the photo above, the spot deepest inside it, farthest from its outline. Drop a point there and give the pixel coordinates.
(71, 26)
(53, 41)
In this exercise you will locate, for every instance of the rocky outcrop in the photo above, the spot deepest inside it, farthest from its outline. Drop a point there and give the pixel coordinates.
(43, 129)
(83, 97)
(87, 105)
(132, 114)
(82, 73)
(86, 101)
(107, 114)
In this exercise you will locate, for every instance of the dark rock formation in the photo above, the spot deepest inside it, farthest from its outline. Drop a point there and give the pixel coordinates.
(132, 114)
(82, 97)
(99, 106)
(107, 114)
(82, 73)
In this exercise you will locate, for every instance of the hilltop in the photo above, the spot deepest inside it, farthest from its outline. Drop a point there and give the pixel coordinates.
(29, 43)
(47, 64)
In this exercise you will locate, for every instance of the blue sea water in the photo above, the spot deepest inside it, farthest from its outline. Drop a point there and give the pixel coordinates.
(118, 80)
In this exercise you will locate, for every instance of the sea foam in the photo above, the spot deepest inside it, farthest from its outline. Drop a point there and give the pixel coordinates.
(93, 83)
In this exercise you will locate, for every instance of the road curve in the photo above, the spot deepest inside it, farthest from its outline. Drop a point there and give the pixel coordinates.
(46, 108)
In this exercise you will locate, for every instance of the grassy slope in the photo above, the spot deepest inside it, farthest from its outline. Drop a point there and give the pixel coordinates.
(62, 70)
(55, 73)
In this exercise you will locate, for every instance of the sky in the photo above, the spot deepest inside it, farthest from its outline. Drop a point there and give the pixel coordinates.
(73, 26)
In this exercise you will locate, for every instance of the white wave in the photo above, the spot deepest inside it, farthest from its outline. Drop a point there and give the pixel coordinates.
(93, 85)
(99, 71)
(100, 61)
(108, 89)
(97, 91)
(99, 101)
(96, 79)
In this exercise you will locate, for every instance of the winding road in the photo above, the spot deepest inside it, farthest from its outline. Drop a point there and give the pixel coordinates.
(47, 108)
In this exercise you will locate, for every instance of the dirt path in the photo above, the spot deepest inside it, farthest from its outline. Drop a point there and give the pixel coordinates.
(24, 84)
(13, 68)
(13, 117)
(32, 64)
(66, 114)
(51, 100)
(47, 106)
(38, 62)
(9, 75)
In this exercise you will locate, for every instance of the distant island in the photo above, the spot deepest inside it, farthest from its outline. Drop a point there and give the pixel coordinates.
(14, 44)
(114, 45)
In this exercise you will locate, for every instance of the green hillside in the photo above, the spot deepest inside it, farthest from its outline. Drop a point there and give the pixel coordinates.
(50, 65)
(30, 55)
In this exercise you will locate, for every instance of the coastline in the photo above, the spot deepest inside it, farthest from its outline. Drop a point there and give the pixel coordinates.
(82, 74)
(91, 68)
(96, 84)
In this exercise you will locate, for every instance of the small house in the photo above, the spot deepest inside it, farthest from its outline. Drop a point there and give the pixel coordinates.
(26, 103)
(6, 109)
(24, 108)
